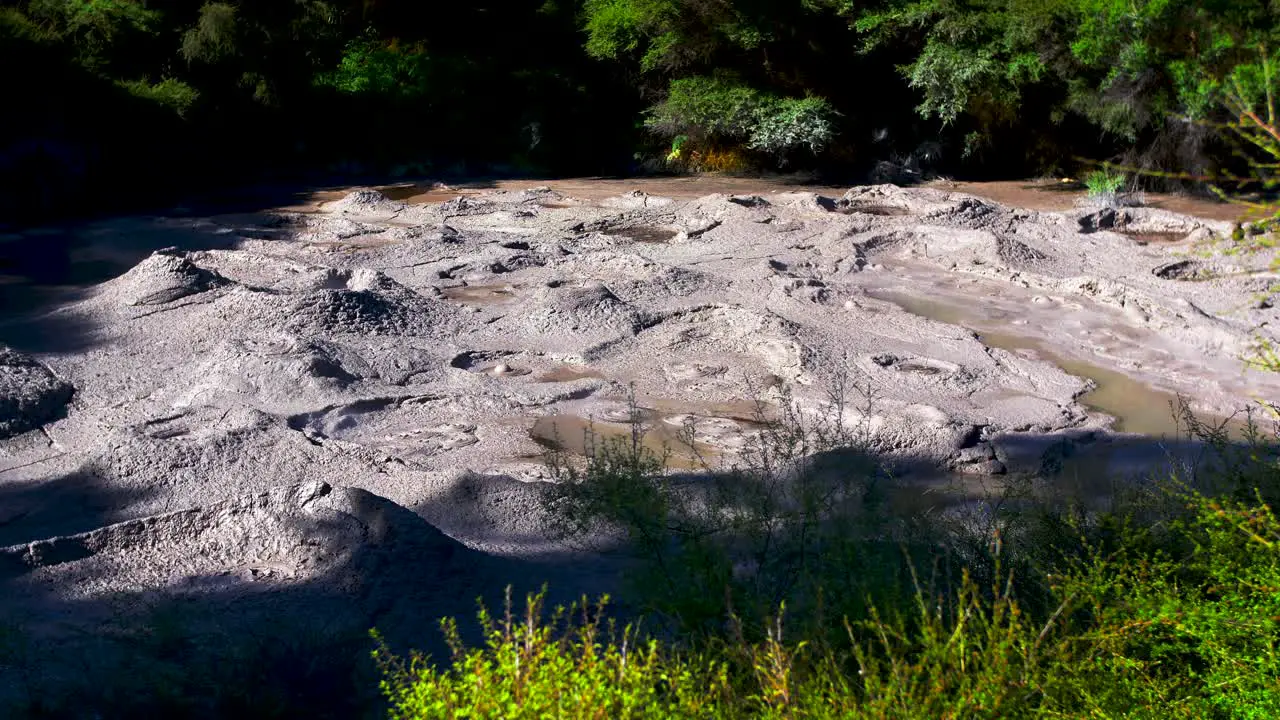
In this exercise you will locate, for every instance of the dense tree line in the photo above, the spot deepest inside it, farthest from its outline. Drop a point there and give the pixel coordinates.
(118, 100)
(112, 98)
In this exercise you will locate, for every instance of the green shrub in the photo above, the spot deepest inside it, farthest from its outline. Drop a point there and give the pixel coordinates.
(170, 93)
(1104, 184)
(706, 107)
(1193, 634)
(792, 123)
(374, 67)
(213, 37)
(615, 27)
(1136, 633)
(95, 26)
(569, 667)
(712, 109)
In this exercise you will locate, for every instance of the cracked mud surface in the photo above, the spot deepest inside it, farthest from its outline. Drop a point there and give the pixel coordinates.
(379, 359)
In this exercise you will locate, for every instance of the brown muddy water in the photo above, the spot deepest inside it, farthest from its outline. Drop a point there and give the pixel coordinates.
(584, 437)
(654, 235)
(568, 373)
(1156, 238)
(1136, 407)
(480, 294)
(744, 412)
(1051, 195)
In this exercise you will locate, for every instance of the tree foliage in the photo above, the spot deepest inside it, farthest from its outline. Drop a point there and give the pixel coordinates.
(972, 86)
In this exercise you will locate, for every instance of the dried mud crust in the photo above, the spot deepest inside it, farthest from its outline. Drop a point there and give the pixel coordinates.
(417, 353)
(30, 394)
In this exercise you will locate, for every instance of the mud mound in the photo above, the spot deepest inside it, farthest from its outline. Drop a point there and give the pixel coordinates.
(281, 370)
(364, 202)
(162, 278)
(248, 590)
(30, 394)
(356, 312)
(463, 206)
(1148, 221)
(1016, 253)
(358, 302)
(591, 308)
(764, 341)
(969, 212)
(245, 545)
(891, 200)
(1104, 219)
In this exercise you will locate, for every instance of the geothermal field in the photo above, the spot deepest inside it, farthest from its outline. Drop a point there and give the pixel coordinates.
(334, 415)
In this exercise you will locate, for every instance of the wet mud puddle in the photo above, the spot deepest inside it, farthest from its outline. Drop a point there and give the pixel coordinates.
(480, 294)
(568, 373)
(588, 437)
(1154, 238)
(1135, 406)
(645, 234)
(687, 435)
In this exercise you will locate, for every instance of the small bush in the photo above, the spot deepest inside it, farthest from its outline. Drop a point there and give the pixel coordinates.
(569, 667)
(1136, 633)
(703, 107)
(784, 125)
(376, 68)
(717, 112)
(170, 93)
(214, 36)
(1104, 184)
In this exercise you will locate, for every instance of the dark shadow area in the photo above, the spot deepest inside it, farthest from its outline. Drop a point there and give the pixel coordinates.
(42, 270)
(437, 189)
(247, 642)
(104, 623)
(51, 332)
(76, 502)
(526, 529)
